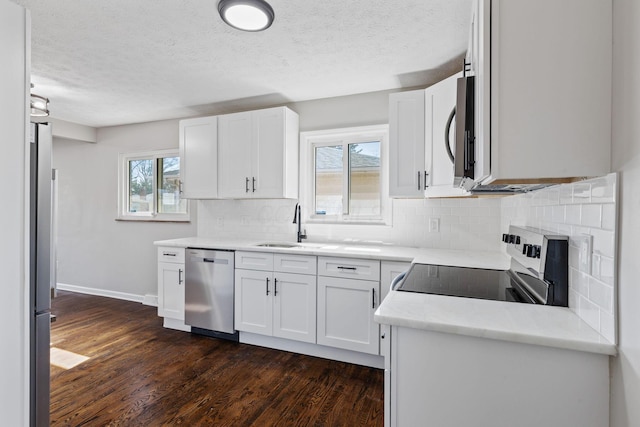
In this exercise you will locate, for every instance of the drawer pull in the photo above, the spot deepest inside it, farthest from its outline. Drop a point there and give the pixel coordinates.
(275, 287)
(347, 268)
(180, 279)
(169, 254)
(267, 286)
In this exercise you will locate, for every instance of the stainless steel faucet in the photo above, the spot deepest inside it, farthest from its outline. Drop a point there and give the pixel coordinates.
(298, 220)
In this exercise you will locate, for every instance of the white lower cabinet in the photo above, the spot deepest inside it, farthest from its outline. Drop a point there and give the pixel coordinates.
(276, 303)
(171, 287)
(442, 379)
(345, 314)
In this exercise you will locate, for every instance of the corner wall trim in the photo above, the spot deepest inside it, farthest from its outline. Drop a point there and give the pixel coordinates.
(101, 292)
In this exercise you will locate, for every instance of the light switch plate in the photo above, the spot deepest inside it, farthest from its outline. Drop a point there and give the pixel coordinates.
(585, 249)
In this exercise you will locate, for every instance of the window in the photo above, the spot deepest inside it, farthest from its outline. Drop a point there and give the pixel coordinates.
(150, 187)
(343, 175)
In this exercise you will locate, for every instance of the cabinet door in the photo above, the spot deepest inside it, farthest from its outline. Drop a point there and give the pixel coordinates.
(268, 151)
(406, 144)
(235, 155)
(345, 314)
(294, 307)
(199, 158)
(253, 301)
(388, 271)
(171, 290)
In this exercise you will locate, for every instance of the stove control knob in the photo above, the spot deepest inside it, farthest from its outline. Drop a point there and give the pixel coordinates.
(531, 251)
(525, 248)
(512, 238)
(517, 240)
(505, 237)
(538, 249)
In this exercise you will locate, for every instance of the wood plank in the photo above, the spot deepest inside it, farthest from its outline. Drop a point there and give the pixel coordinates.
(140, 373)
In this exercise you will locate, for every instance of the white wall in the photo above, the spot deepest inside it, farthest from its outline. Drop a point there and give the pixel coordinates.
(95, 250)
(625, 399)
(14, 356)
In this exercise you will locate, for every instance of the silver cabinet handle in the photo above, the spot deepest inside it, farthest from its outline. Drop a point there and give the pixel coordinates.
(253, 184)
(418, 180)
(425, 179)
(275, 287)
(267, 286)
(180, 280)
(347, 268)
(246, 184)
(169, 254)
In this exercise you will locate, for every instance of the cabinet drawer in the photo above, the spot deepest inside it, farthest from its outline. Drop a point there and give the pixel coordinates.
(168, 254)
(301, 264)
(349, 267)
(254, 261)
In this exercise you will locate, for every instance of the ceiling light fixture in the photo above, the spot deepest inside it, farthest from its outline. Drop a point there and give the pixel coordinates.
(39, 105)
(246, 15)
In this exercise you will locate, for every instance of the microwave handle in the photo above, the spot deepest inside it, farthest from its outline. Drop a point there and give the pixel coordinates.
(447, 132)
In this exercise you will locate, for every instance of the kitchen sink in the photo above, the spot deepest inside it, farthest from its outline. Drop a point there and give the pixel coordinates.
(278, 245)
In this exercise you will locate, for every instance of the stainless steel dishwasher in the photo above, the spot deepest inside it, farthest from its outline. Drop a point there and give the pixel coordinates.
(209, 292)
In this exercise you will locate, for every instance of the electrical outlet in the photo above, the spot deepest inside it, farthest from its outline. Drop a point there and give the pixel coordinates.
(434, 225)
(585, 247)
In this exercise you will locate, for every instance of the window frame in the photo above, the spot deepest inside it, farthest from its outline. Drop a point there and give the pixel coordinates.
(343, 136)
(123, 213)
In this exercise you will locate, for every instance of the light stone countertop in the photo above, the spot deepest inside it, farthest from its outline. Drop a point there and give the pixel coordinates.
(523, 323)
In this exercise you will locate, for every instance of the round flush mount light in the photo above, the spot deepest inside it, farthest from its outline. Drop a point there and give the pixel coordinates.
(246, 15)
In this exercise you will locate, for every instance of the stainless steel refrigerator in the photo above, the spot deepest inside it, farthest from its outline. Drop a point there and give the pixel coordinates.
(42, 270)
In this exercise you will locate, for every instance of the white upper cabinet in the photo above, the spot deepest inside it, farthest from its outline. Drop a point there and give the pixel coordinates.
(406, 144)
(199, 157)
(543, 88)
(419, 165)
(258, 154)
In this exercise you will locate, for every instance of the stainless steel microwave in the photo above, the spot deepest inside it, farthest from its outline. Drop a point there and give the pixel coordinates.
(464, 158)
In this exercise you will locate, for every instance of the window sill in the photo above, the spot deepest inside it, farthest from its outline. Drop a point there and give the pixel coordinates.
(151, 219)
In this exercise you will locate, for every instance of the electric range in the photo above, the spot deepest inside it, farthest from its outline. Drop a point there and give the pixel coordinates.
(539, 272)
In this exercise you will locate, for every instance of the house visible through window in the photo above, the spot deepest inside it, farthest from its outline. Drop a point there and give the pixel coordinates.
(150, 187)
(347, 174)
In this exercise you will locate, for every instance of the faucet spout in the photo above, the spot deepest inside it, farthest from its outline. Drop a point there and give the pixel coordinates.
(298, 220)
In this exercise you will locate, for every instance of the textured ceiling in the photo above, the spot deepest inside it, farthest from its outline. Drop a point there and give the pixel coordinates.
(113, 62)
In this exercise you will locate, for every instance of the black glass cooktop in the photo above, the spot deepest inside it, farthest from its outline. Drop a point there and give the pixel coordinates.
(460, 282)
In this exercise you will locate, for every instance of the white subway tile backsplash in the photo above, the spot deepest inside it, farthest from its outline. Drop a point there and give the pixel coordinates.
(585, 209)
(589, 312)
(601, 295)
(609, 216)
(591, 215)
(573, 214)
(603, 189)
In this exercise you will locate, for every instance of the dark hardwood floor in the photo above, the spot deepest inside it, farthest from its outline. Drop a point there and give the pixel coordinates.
(140, 374)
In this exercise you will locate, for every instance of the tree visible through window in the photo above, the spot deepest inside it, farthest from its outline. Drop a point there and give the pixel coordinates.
(150, 186)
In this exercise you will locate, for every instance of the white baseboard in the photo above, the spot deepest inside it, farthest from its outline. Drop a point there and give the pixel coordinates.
(151, 300)
(101, 292)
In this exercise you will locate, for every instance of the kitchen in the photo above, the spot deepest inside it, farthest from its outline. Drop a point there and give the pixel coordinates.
(96, 243)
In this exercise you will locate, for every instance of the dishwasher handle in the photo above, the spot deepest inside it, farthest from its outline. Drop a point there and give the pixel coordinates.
(210, 260)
